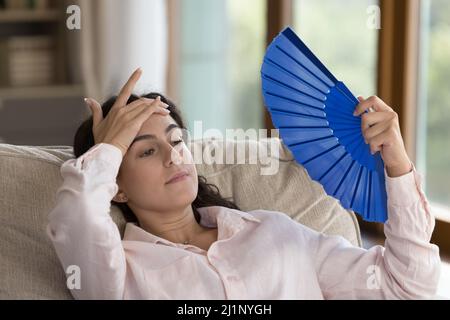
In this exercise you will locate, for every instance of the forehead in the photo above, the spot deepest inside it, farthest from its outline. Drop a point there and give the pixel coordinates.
(156, 124)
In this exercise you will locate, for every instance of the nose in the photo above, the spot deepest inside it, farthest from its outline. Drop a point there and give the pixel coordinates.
(173, 155)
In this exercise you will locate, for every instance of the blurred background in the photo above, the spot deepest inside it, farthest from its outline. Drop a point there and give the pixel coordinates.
(206, 56)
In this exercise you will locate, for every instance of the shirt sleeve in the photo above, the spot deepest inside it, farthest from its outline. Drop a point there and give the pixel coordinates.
(81, 229)
(407, 267)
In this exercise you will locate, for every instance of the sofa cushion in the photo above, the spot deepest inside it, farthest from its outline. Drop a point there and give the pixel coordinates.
(30, 177)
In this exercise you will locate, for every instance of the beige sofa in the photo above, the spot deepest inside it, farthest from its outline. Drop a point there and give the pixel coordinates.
(30, 177)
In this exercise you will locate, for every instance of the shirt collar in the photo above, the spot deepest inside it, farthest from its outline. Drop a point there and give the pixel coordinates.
(228, 221)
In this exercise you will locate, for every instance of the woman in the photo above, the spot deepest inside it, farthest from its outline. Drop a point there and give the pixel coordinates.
(184, 241)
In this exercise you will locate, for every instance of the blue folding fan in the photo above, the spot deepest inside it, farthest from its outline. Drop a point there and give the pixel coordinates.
(314, 114)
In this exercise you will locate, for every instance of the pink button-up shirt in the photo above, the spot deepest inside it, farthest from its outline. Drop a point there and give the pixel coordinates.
(259, 254)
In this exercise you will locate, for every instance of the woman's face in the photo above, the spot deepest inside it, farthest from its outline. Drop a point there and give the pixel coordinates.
(157, 154)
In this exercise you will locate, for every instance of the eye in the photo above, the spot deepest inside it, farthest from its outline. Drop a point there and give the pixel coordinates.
(177, 141)
(148, 152)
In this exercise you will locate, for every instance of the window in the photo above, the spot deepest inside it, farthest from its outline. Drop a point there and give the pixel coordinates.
(433, 141)
(348, 48)
(222, 47)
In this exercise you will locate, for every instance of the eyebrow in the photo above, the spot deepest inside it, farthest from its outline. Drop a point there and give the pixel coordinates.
(152, 136)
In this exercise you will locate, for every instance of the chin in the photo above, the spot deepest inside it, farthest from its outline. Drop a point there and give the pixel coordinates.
(184, 195)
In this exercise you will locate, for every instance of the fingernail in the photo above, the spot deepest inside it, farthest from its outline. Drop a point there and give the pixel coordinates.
(86, 100)
(167, 110)
(354, 113)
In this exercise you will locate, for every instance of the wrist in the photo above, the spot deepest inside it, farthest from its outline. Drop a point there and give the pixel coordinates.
(399, 170)
(118, 146)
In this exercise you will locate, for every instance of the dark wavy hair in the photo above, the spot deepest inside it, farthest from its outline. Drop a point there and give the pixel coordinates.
(208, 194)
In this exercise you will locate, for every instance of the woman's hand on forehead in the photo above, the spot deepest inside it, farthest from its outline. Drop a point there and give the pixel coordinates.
(121, 125)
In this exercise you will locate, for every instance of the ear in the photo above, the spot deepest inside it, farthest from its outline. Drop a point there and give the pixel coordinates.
(120, 197)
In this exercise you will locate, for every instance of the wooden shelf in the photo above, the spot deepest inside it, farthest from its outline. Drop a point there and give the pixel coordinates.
(15, 16)
(50, 91)
(440, 212)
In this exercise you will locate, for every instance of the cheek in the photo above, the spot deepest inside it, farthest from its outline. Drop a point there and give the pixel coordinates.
(186, 154)
(194, 177)
(143, 180)
(149, 178)
(194, 180)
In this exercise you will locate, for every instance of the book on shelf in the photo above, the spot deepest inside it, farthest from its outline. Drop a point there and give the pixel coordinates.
(27, 60)
(24, 4)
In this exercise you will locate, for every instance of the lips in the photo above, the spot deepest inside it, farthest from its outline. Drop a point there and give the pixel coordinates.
(177, 175)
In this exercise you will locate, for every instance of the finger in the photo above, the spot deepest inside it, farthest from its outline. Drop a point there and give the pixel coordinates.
(127, 89)
(361, 98)
(375, 130)
(145, 114)
(160, 106)
(133, 105)
(376, 103)
(150, 109)
(372, 118)
(149, 101)
(377, 142)
(147, 110)
(96, 109)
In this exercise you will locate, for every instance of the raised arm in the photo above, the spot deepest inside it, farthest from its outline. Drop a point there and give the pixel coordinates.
(80, 226)
(407, 267)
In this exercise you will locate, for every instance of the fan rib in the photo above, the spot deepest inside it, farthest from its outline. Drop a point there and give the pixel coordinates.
(322, 153)
(292, 88)
(370, 191)
(303, 127)
(332, 166)
(357, 186)
(344, 122)
(340, 116)
(353, 150)
(310, 85)
(344, 177)
(302, 65)
(293, 101)
(349, 130)
(345, 95)
(353, 140)
(308, 141)
(346, 135)
(346, 92)
(288, 33)
(280, 111)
